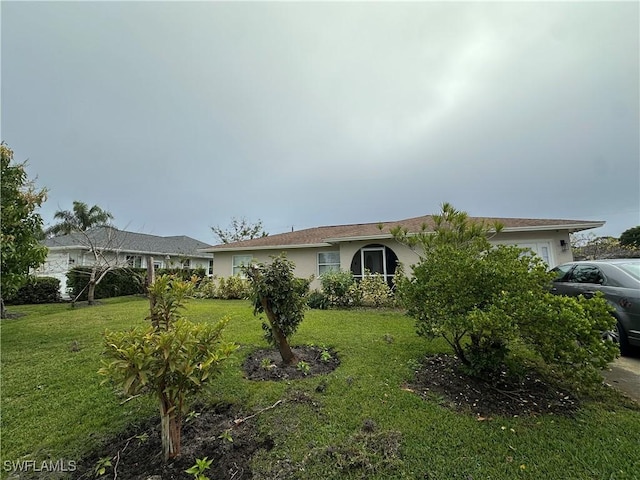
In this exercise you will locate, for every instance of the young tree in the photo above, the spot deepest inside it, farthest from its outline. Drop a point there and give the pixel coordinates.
(484, 299)
(83, 221)
(172, 359)
(631, 237)
(240, 229)
(20, 225)
(281, 296)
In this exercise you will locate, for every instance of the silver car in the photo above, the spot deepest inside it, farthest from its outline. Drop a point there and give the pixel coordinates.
(619, 281)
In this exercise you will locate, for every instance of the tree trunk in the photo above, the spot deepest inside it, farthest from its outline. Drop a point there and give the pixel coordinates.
(3, 310)
(91, 292)
(288, 358)
(151, 277)
(169, 428)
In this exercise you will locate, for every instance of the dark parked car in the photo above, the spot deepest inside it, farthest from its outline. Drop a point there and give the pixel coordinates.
(619, 281)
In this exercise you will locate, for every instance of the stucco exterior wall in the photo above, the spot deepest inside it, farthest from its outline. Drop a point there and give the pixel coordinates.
(59, 262)
(306, 259)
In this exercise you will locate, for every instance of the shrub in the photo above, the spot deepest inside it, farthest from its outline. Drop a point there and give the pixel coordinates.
(318, 300)
(118, 282)
(337, 286)
(37, 290)
(374, 291)
(207, 288)
(483, 300)
(233, 288)
(171, 359)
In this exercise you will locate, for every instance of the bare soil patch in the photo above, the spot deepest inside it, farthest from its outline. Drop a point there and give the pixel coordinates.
(266, 363)
(441, 378)
(219, 433)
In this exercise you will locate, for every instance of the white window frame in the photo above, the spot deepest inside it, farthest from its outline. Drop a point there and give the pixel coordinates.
(239, 261)
(185, 263)
(134, 260)
(333, 266)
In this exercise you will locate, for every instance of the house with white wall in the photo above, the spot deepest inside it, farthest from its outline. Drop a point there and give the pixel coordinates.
(120, 248)
(371, 246)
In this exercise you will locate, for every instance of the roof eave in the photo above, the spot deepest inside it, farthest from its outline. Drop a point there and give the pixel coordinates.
(267, 247)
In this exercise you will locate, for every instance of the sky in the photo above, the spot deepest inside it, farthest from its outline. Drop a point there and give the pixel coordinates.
(178, 116)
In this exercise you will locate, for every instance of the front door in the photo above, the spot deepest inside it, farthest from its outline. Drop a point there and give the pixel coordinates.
(373, 261)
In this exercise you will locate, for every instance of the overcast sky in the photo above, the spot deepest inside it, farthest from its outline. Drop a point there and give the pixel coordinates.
(176, 116)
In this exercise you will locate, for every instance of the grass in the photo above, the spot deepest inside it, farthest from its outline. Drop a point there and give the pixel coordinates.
(53, 405)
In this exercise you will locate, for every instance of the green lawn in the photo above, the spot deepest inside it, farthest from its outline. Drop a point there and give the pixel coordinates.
(53, 405)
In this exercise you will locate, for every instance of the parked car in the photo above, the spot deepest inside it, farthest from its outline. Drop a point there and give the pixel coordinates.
(619, 281)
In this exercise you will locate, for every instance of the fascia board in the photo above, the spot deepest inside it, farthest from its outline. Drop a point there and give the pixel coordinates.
(267, 247)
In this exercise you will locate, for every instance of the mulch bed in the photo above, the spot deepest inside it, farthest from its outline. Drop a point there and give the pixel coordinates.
(266, 363)
(442, 378)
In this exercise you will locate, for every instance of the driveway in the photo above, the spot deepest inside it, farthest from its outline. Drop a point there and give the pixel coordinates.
(624, 375)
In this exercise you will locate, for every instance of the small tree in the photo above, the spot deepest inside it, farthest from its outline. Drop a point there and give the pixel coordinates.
(484, 299)
(172, 359)
(240, 229)
(20, 226)
(281, 296)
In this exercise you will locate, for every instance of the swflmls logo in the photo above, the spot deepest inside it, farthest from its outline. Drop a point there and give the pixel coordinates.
(33, 466)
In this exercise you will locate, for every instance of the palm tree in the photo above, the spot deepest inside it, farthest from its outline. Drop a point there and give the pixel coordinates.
(81, 219)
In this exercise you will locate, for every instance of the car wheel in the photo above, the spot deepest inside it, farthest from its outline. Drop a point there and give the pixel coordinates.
(622, 340)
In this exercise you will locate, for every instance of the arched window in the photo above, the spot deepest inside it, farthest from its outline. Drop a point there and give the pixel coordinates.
(375, 259)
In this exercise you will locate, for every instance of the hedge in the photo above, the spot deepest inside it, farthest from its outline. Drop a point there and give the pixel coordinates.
(120, 282)
(37, 290)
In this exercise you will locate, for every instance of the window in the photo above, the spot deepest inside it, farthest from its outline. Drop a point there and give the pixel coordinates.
(210, 267)
(561, 272)
(238, 262)
(186, 263)
(157, 264)
(134, 261)
(328, 262)
(587, 274)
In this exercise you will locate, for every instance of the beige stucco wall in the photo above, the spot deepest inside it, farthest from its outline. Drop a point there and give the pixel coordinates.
(305, 259)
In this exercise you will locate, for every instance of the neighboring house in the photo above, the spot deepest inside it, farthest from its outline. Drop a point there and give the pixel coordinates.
(121, 248)
(371, 247)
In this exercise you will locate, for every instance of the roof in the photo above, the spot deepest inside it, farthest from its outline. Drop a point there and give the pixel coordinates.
(110, 238)
(326, 236)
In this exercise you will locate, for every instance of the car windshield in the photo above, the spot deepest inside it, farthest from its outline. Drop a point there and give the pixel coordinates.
(632, 269)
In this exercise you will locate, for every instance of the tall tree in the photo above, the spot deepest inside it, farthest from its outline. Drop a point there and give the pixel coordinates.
(240, 229)
(80, 219)
(631, 237)
(21, 225)
(83, 221)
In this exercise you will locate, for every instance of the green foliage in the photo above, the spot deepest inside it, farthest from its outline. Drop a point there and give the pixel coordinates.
(337, 285)
(20, 225)
(207, 288)
(201, 466)
(276, 292)
(342, 290)
(233, 288)
(303, 367)
(80, 219)
(318, 300)
(483, 300)
(101, 466)
(631, 237)
(37, 290)
(116, 283)
(240, 229)
(172, 359)
(374, 291)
